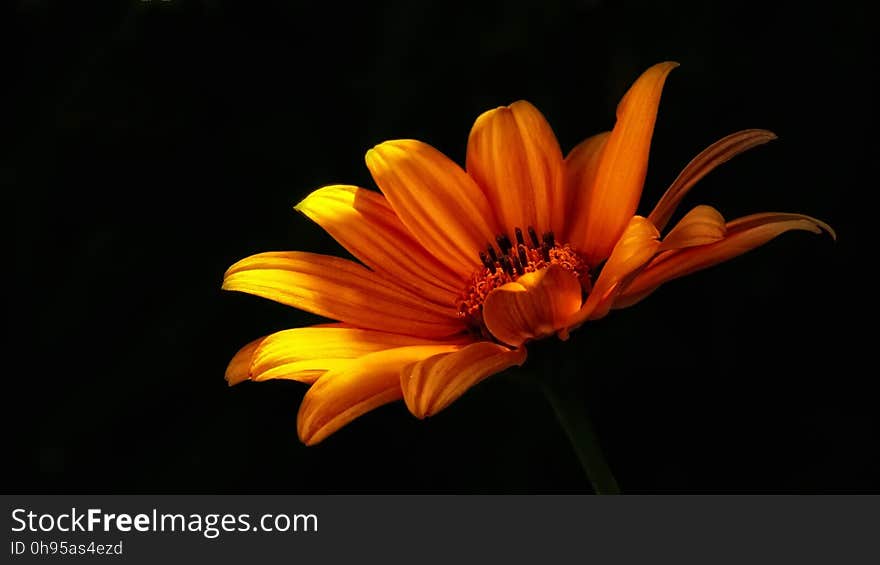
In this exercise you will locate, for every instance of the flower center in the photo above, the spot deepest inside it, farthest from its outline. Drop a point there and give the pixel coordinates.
(508, 261)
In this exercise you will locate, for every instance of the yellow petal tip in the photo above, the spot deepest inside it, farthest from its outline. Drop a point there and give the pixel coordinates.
(375, 156)
(303, 204)
(370, 156)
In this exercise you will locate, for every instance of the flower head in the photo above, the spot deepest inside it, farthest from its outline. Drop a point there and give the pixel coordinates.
(461, 268)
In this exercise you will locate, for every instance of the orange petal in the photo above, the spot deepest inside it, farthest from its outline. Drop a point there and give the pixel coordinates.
(432, 384)
(636, 246)
(436, 200)
(304, 354)
(743, 234)
(535, 305)
(513, 155)
(581, 165)
(364, 223)
(340, 396)
(719, 152)
(239, 367)
(700, 226)
(342, 290)
(613, 198)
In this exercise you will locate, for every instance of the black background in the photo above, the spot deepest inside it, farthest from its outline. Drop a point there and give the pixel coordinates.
(148, 145)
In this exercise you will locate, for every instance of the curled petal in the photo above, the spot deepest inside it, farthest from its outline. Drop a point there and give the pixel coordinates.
(536, 305)
(743, 234)
(436, 200)
(432, 384)
(719, 152)
(514, 156)
(636, 246)
(700, 226)
(770, 221)
(363, 222)
(340, 396)
(341, 290)
(623, 164)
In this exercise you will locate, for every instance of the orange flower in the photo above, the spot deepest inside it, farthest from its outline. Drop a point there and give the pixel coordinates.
(461, 268)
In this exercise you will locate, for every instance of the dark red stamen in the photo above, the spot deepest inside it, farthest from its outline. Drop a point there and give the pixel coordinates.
(486, 261)
(506, 265)
(517, 265)
(523, 256)
(504, 243)
(545, 252)
(492, 255)
(534, 237)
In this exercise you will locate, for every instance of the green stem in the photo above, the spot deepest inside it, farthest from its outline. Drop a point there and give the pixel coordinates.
(574, 420)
